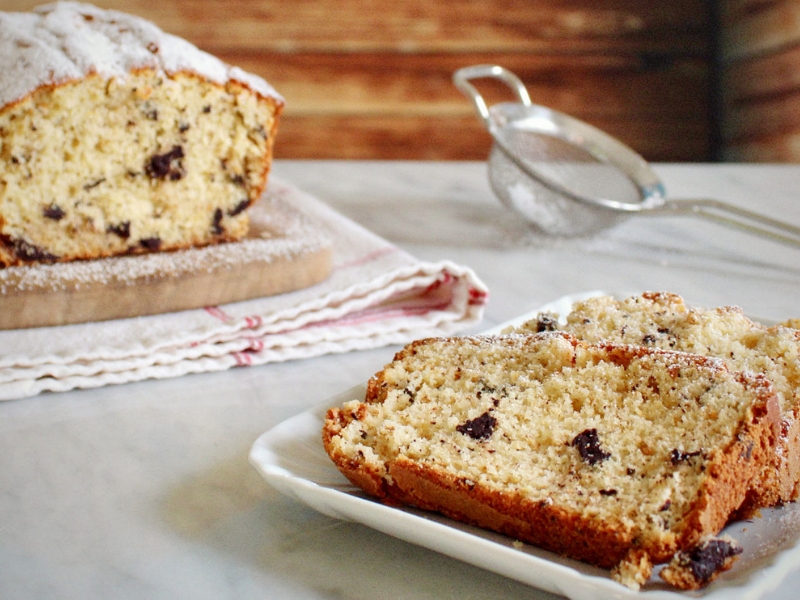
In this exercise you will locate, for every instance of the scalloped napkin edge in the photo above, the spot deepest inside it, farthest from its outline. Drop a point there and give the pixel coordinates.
(376, 295)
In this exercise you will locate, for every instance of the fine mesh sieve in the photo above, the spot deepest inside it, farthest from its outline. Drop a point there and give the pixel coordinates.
(568, 178)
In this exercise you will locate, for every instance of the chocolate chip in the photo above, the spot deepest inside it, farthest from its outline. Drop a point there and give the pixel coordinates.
(216, 223)
(238, 179)
(608, 492)
(479, 428)
(153, 243)
(241, 207)
(123, 230)
(649, 339)
(704, 560)
(588, 445)
(54, 212)
(166, 165)
(486, 389)
(546, 323)
(206, 109)
(678, 456)
(93, 184)
(29, 253)
(666, 505)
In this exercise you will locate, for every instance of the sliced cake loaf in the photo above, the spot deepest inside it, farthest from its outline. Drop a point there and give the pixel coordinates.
(616, 455)
(117, 138)
(663, 320)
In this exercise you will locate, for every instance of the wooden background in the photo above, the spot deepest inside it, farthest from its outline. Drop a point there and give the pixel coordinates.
(760, 55)
(371, 79)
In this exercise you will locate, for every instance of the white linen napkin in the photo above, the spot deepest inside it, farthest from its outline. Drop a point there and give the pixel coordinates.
(376, 295)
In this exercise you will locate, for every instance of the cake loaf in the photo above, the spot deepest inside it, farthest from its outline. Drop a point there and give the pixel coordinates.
(117, 138)
(663, 320)
(620, 456)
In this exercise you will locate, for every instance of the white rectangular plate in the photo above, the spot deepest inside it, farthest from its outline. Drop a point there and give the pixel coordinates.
(291, 458)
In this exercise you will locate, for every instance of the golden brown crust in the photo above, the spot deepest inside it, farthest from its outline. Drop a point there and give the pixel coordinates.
(733, 471)
(779, 480)
(789, 459)
(545, 525)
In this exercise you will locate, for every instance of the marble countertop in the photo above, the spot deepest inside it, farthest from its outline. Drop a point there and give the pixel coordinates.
(144, 490)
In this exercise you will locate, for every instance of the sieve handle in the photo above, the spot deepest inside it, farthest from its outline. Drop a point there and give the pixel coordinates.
(462, 78)
(733, 216)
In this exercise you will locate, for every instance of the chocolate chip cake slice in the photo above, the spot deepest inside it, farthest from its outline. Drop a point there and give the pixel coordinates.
(620, 456)
(663, 320)
(117, 138)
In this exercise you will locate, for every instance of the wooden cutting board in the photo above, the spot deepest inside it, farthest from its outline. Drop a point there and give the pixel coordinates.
(286, 250)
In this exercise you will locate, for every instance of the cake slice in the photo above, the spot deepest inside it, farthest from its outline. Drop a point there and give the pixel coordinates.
(620, 456)
(663, 320)
(117, 138)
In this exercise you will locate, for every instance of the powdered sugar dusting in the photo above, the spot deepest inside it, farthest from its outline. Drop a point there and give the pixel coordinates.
(279, 230)
(66, 41)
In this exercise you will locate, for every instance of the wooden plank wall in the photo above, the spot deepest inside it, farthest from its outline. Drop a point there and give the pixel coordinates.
(370, 79)
(760, 80)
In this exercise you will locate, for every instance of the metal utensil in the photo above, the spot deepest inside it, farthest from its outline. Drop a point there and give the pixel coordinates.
(568, 178)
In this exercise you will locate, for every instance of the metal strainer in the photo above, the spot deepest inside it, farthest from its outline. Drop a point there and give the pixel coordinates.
(568, 178)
